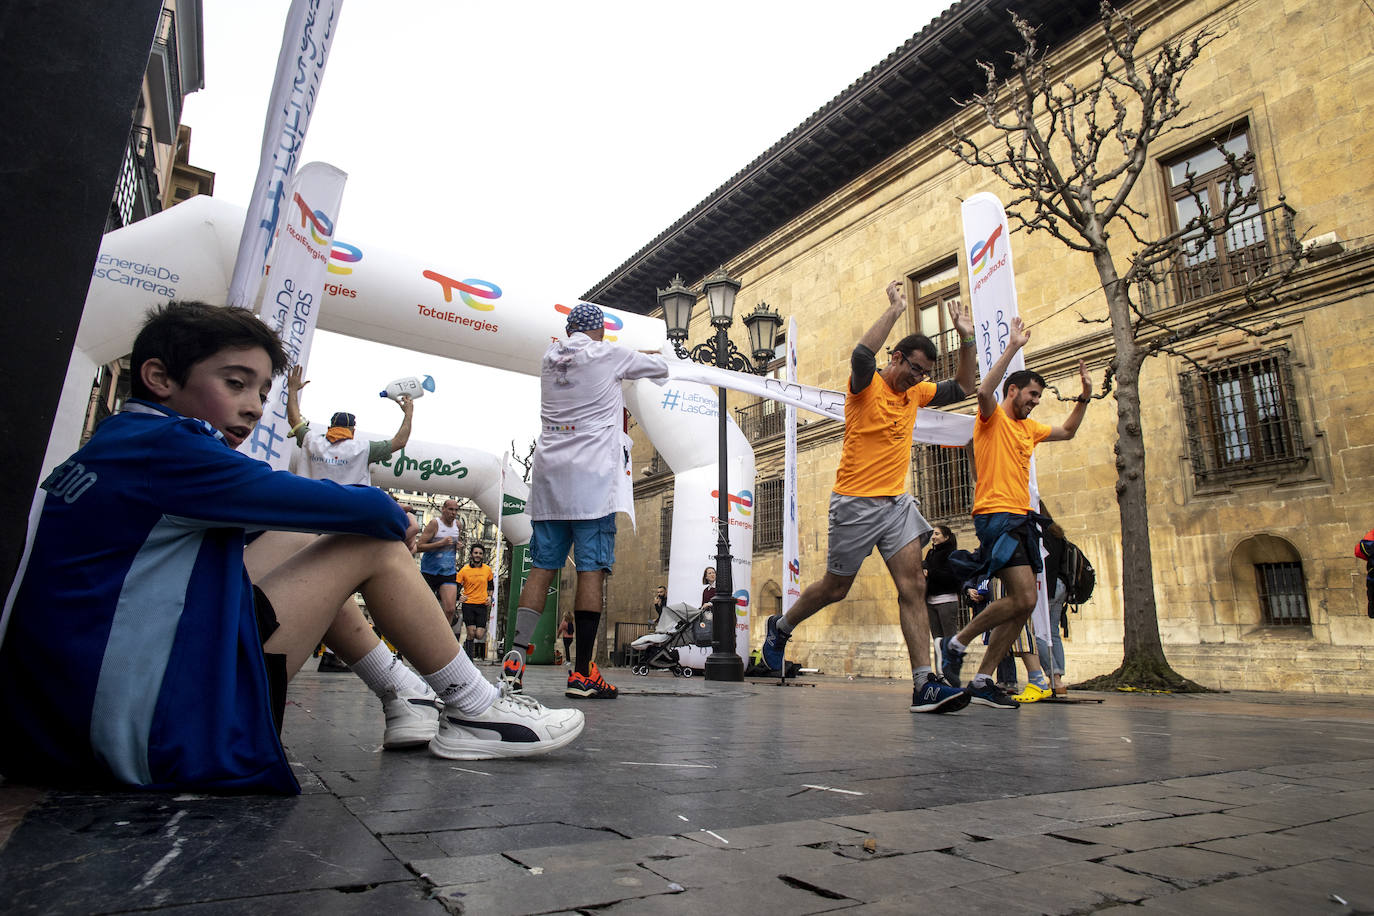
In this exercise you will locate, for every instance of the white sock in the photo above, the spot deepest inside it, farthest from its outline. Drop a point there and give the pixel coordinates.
(954, 645)
(784, 627)
(982, 680)
(383, 672)
(921, 675)
(461, 685)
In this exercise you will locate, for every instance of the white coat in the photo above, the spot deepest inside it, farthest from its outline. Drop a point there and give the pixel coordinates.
(581, 462)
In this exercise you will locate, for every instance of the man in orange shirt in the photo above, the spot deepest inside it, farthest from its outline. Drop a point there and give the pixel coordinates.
(1008, 540)
(477, 583)
(870, 505)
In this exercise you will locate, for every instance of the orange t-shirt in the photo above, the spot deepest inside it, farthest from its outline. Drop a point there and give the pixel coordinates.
(876, 455)
(473, 581)
(1001, 453)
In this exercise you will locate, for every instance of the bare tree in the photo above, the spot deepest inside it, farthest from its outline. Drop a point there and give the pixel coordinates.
(527, 461)
(1071, 156)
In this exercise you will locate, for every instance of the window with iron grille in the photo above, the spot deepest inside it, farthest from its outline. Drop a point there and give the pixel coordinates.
(768, 514)
(944, 481)
(935, 290)
(1242, 417)
(1282, 594)
(665, 533)
(1202, 182)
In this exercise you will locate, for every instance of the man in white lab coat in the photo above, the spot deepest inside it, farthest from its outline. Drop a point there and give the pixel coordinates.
(578, 483)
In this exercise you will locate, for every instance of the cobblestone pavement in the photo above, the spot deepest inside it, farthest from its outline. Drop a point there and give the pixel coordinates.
(688, 797)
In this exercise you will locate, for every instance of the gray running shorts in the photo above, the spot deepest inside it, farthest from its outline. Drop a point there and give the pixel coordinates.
(860, 523)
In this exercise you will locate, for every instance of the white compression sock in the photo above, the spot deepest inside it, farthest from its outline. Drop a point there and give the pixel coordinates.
(383, 672)
(460, 684)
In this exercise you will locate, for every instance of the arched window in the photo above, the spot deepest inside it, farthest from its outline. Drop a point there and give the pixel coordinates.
(1267, 574)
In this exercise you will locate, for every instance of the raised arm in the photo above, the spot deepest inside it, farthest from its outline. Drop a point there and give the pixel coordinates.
(967, 373)
(295, 381)
(402, 436)
(1068, 428)
(988, 395)
(896, 305)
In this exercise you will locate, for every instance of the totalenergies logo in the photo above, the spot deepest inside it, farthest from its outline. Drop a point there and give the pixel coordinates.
(343, 254)
(613, 322)
(321, 228)
(476, 294)
(980, 255)
(317, 220)
(794, 570)
(742, 502)
(742, 603)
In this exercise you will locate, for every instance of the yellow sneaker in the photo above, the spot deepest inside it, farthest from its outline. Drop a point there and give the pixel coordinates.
(1032, 693)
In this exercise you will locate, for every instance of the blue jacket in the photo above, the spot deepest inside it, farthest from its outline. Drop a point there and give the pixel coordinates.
(132, 652)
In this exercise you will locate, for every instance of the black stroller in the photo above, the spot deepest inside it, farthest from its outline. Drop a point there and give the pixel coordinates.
(679, 626)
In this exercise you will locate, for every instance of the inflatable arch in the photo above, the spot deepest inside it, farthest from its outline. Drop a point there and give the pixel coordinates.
(188, 252)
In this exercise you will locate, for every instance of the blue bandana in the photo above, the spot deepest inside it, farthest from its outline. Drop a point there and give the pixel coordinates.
(585, 317)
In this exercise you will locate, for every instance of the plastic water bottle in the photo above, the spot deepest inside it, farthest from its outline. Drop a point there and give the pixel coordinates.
(413, 386)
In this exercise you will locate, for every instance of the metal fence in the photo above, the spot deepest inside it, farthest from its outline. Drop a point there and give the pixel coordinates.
(760, 421)
(1247, 251)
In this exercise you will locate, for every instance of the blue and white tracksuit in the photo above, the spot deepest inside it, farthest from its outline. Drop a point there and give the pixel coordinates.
(132, 651)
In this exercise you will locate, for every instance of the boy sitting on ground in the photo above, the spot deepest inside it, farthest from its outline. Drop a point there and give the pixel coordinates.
(137, 649)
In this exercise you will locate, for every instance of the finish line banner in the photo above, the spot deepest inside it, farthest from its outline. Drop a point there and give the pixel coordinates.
(935, 427)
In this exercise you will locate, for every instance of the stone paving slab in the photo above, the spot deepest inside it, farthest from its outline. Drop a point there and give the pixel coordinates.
(744, 798)
(570, 890)
(1024, 853)
(1074, 887)
(1184, 866)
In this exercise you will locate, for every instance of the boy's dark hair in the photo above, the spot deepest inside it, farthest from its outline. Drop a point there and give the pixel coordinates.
(182, 334)
(913, 342)
(1020, 378)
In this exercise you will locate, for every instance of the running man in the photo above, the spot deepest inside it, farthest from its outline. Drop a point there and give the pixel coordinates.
(1004, 437)
(870, 505)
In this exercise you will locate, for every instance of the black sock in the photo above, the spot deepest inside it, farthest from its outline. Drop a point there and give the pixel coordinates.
(585, 624)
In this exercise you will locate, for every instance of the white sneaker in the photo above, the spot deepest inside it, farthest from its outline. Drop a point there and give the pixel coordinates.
(412, 718)
(515, 725)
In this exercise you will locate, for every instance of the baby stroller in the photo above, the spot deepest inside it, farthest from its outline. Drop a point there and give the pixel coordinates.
(679, 625)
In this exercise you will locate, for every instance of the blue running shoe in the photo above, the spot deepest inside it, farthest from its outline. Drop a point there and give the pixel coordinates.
(773, 644)
(992, 695)
(937, 696)
(951, 663)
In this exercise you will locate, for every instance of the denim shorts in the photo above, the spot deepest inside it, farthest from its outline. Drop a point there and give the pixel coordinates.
(592, 541)
(860, 523)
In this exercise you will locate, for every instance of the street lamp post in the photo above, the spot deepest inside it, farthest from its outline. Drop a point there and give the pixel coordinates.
(724, 663)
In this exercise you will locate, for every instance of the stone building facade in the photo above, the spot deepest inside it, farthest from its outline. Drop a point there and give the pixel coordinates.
(1260, 451)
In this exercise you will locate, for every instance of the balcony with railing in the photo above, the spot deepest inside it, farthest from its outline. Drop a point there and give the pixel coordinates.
(164, 79)
(1255, 244)
(761, 421)
(136, 193)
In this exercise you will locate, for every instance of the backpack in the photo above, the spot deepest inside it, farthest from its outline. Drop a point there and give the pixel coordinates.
(1078, 575)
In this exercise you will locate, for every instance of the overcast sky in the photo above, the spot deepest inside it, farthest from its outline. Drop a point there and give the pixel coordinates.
(539, 140)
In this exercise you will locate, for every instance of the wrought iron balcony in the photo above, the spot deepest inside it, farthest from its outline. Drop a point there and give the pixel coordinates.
(136, 193)
(1253, 246)
(164, 79)
(760, 421)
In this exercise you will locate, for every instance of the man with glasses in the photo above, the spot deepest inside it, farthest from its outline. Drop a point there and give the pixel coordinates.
(870, 505)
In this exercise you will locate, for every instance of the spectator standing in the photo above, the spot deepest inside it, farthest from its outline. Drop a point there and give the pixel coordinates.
(578, 484)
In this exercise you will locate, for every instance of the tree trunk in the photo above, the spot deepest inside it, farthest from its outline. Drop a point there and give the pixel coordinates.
(1143, 663)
